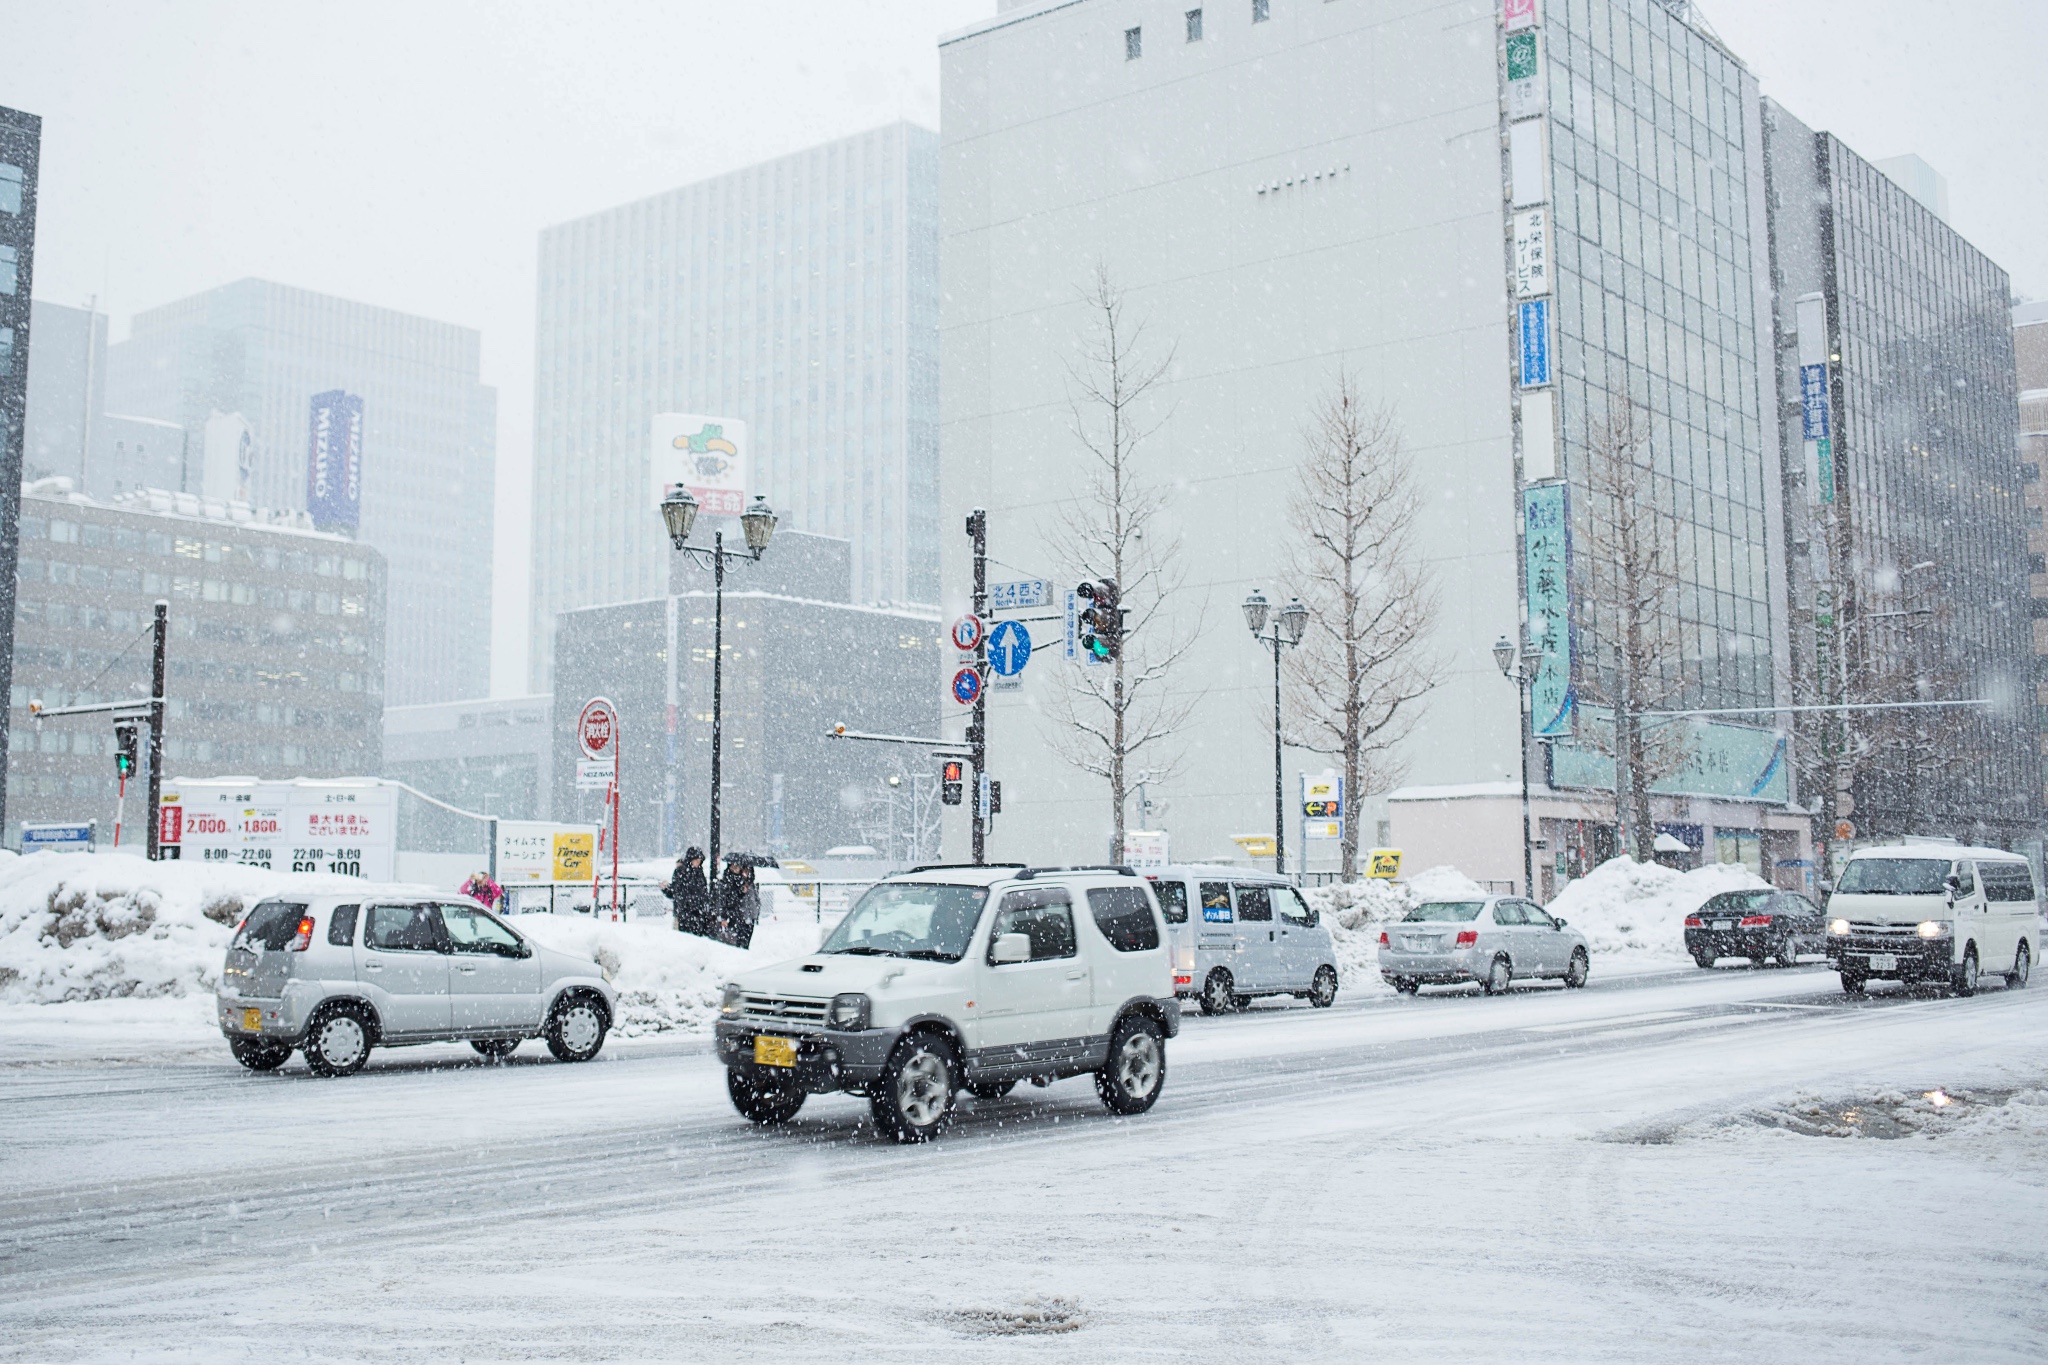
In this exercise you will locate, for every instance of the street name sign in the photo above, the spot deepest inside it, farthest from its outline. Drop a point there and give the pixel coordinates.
(1026, 592)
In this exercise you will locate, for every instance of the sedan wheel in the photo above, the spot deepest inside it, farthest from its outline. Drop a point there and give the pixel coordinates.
(1499, 977)
(337, 1044)
(576, 1029)
(1575, 974)
(1706, 957)
(1131, 1082)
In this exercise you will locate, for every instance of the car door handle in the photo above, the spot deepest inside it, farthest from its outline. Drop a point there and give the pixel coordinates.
(1076, 976)
(467, 971)
(373, 966)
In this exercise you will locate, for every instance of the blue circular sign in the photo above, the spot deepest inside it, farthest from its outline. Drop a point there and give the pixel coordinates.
(966, 686)
(1009, 649)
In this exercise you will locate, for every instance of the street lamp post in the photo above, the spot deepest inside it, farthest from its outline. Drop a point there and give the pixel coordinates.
(1504, 655)
(1288, 626)
(757, 523)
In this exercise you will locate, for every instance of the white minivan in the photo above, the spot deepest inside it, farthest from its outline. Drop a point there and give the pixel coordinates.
(1236, 933)
(1934, 911)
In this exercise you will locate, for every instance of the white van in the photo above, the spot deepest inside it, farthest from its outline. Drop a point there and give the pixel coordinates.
(1236, 933)
(1934, 911)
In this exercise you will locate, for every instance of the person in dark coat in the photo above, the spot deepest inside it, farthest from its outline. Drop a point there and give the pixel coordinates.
(689, 892)
(739, 904)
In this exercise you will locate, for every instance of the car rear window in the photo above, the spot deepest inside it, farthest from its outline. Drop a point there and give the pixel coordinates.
(1894, 877)
(271, 925)
(2006, 881)
(1729, 902)
(341, 926)
(1124, 915)
(1173, 901)
(1444, 910)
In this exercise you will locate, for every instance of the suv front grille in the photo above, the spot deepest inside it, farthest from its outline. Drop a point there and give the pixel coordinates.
(784, 1009)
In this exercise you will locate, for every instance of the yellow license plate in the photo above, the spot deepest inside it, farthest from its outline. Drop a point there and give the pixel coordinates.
(774, 1052)
(252, 1021)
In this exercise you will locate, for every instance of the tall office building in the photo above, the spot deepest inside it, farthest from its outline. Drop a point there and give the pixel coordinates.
(1906, 509)
(248, 360)
(2030, 359)
(1499, 220)
(21, 141)
(799, 296)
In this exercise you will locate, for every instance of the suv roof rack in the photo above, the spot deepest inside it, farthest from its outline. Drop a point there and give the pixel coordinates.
(947, 867)
(1120, 869)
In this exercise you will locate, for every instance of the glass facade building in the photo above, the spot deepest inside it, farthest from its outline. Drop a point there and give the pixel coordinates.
(799, 296)
(21, 140)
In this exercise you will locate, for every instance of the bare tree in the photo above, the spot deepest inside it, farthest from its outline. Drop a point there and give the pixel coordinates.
(1629, 590)
(1113, 713)
(1364, 661)
(901, 814)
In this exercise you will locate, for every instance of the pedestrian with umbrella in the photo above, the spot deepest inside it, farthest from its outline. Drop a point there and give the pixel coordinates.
(689, 893)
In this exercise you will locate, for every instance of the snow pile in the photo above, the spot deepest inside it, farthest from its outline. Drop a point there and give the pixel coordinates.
(96, 926)
(1634, 913)
(1356, 912)
(668, 980)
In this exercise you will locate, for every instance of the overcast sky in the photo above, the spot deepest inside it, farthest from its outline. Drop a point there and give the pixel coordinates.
(407, 154)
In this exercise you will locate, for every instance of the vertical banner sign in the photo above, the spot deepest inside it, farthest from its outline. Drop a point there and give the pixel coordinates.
(1813, 419)
(1547, 550)
(1525, 96)
(334, 462)
(1322, 805)
(1534, 332)
(1518, 14)
(707, 455)
(1532, 253)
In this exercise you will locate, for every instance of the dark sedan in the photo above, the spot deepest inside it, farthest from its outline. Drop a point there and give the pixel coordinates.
(1757, 925)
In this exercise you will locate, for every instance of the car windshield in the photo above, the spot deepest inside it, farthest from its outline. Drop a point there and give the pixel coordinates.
(1894, 877)
(1444, 910)
(910, 919)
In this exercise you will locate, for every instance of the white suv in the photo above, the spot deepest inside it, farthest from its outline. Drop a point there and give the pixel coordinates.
(964, 977)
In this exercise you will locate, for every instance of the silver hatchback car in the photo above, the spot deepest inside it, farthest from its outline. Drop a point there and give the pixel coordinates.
(1492, 941)
(336, 974)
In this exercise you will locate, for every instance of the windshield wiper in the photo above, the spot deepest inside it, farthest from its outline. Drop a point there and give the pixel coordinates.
(929, 955)
(863, 950)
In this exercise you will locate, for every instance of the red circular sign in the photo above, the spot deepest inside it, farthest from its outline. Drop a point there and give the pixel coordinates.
(597, 728)
(967, 632)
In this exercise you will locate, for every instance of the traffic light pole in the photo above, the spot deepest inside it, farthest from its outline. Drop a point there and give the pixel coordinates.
(977, 729)
(156, 728)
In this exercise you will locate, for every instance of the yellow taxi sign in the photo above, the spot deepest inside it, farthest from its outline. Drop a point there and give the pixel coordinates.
(1385, 863)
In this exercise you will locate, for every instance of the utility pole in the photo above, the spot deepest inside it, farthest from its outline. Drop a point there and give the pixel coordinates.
(156, 728)
(977, 728)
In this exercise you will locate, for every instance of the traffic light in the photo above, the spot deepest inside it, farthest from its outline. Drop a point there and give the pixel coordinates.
(124, 749)
(950, 785)
(1102, 623)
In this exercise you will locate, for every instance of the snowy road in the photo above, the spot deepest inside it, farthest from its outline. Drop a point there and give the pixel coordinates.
(1553, 1175)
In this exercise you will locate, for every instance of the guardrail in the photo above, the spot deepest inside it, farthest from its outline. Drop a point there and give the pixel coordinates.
(643, 898)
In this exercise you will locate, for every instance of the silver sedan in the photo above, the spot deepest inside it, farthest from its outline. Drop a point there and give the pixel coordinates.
(1492, 941)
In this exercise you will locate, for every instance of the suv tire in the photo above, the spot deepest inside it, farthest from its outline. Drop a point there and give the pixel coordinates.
(1964, 982)
(494, 1049)
(258, 1055)
(338, 1040)
(1322, 992)
(576, 1028)
(1135, 1071)
(1852, 983)
(1217, 997)
(913, 1101)
(766, 1100)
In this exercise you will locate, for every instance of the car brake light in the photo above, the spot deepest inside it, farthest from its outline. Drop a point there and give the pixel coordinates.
(1383, 939)
(1756, 921)
(1468, 938)
(1183, 980)
(298, 945)
(1692, 921)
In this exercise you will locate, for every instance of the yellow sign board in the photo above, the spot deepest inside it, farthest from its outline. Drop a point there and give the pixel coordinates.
(1254, 845)
(1386, 863)
(575, 852)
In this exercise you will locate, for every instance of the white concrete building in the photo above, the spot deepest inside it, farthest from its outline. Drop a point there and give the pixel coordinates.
(1290, 188)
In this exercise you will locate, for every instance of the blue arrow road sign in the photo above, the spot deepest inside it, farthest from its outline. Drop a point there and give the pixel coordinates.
(1009, 649)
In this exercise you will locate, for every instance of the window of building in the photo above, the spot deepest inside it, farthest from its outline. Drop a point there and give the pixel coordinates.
(65, 532)
(2030, 473)
(6, 350)
(10, 188)
(1194, 17)
(10, 269)
(2037, 563)
(1134, 44)
(1262, 10)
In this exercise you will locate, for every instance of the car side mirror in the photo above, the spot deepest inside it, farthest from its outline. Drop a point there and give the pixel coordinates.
(1556, 923)
(1010, 948)
(1315, 917)
(521, 950)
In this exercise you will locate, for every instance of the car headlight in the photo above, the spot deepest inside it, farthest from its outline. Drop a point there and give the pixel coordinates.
(1934, 928)
(849, 1011)
(1838, 926)
(733, 1000)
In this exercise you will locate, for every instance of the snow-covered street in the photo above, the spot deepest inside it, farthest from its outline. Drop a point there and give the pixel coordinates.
(1640, 1171)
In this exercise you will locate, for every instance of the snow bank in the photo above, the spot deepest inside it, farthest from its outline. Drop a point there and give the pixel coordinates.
(1633, 914)
(96, 926)
(1356, 911)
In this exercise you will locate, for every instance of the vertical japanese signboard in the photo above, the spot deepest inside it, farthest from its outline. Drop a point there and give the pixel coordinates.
(1534, 335)
(1813, 420)
(1532, 253)
(1547, 551)
(1525, 95)
(334, 462)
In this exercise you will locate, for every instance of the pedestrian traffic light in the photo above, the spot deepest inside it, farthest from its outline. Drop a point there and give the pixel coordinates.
(124, 749)
(950, 785)
(995, 797)
(1102, 623)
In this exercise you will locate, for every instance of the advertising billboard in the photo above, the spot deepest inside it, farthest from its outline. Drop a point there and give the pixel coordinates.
(347, 828)
(536, 852)
(707, 455)
(334, 461)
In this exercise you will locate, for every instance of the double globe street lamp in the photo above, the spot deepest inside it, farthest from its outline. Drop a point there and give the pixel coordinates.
(757, 523)
(1289, 623)
(1532, 654)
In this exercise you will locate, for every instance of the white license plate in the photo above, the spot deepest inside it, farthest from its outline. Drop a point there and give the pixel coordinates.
(1884, 962)
(1724, 924)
